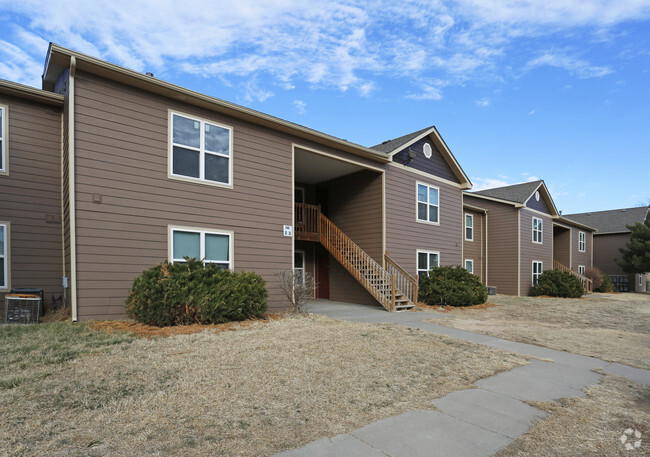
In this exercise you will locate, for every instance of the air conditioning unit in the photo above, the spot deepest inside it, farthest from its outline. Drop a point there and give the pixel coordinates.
(22, 309)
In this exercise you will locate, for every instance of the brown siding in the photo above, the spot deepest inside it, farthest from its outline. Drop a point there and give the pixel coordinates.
(122, 158)
(533, 251)
(606, 250)
(404, 235)
(502, 244)
(31, 197)
(436, 165)
(475, 249)
(355, 206)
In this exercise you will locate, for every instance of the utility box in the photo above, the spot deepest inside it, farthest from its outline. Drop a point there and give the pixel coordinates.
(491, 290)
(22, 308)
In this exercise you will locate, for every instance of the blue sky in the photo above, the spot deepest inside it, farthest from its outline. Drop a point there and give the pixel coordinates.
(520, 90)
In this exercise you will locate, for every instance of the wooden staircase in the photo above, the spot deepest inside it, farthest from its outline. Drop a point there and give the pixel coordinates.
(586, 282)
(392, 286)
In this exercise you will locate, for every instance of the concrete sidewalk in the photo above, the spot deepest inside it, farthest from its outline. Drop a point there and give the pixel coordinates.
(474, 422)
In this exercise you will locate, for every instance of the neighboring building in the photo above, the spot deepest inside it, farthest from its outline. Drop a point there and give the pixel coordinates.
(525, 235)
(30, 189)
(613, 234)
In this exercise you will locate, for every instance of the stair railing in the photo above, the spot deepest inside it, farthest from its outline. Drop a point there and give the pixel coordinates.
(404, 282)
(586, 282)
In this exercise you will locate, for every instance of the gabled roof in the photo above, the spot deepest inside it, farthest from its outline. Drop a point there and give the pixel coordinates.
(30, 93)
(392, 147)
(518, 194)
(611, 221)
(59, 59)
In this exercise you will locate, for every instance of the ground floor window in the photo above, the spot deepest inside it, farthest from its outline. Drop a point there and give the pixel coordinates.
(469, 265)
(581, 269)
(427, 260)
(4, 254)
(211, 246)
(537, 271)
(299, 265)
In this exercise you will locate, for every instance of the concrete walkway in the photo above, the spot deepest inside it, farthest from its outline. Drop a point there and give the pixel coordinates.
(474, 422)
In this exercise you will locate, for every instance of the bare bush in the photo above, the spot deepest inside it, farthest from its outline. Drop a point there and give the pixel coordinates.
(298, 286)
(596, 277)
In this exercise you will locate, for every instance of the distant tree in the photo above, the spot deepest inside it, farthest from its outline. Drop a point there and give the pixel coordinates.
(636, 253)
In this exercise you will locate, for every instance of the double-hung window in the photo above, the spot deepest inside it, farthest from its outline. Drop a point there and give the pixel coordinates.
(428, 203)
(581, 269)
(201, 150)
(537, 270)
(537, 230)
(469, 227)
(210, 246)
(3, 139)
(426, 261)
(4, 254)
(582, 241)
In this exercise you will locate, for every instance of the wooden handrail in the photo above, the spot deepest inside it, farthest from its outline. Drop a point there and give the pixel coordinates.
(406, 284)
(586, 282)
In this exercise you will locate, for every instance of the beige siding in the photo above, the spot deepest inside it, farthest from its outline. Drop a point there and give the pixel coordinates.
(31, 197)
(475, 249)
(355, 206)
(404, 235)
(502, 244)
(533, 251)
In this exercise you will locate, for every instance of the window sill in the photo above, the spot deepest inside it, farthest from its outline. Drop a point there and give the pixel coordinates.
(200, 181)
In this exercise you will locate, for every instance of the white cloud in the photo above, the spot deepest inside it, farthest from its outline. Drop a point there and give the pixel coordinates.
(483, 102)
(340, 44)
(502, 181)
(300, 106)
(531, 112)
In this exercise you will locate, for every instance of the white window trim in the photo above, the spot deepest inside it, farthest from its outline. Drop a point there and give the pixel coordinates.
(170, 242)
(417, 263)
(471, 216)
(170, 146)
(541, 270)
(5, 258)
(427, 221)
(582, 241)
(4, 168)
(581, 269)
(540, 231)
(471, 261)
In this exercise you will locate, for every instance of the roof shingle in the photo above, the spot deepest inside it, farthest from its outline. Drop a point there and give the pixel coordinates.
(391, 145)
(611, 221)
(517, 193)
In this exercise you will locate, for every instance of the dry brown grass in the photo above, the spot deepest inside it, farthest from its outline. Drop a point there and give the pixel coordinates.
(251, 392)
(613, 327)
(589, 426)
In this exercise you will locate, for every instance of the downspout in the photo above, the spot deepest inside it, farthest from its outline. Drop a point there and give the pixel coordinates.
(65, 289)
(71, 191)
(518, 252)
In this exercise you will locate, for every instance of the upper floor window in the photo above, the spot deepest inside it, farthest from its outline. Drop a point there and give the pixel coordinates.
(3, 139)
(428, 203)
(582, 241)
(207, 245)
(201, 150)
(426, 261)
(537, 230)
(4, 267)
(581, 269)
(469, 227)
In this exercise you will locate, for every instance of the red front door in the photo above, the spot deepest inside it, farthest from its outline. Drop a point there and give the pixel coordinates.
(322, 273)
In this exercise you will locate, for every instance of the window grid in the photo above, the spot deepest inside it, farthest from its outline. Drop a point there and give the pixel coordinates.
(202, 246)
(428, 204)
(426, 260)
(537, 230)
(469, 227)
(537, 271)
(204, 152)
(581, 269)
(582, 241)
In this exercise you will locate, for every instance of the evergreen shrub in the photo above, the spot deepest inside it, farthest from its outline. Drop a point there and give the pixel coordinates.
(451, 286)
(557, 283)
(191, 292)
(607, 285)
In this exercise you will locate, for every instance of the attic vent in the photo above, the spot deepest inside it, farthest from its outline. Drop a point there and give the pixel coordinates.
(537, 195)
(384, 142)
(149, 74)
(623, 210)
(427, 150)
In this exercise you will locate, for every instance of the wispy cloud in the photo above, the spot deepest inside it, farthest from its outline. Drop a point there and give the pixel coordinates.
(300, 106)
(482, 102)
(345, 45)
(502, 181)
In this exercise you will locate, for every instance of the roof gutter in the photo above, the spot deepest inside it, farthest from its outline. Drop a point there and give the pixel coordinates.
(59, 57)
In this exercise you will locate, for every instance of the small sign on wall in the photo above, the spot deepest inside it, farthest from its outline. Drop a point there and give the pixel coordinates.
(288, 230)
